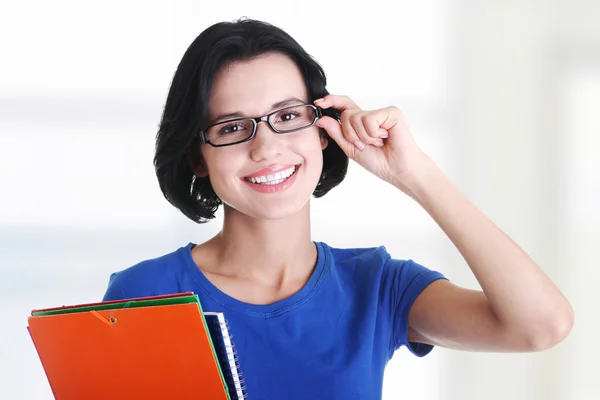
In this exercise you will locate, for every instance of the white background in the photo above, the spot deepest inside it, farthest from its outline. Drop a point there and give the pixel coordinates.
(503, 95)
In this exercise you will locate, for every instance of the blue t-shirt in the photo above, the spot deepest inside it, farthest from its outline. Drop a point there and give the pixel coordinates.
(330, 340)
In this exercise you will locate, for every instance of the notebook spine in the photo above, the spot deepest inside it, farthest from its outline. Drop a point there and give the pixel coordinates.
(229, 356)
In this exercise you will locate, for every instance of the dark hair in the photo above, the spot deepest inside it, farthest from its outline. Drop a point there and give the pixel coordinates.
(186, 107)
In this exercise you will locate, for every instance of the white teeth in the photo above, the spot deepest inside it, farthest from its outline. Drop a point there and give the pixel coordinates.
(273, 179)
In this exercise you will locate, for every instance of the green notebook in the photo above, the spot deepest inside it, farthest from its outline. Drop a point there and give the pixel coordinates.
(144, 302)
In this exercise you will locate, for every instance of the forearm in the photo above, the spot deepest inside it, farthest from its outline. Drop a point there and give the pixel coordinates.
(521, 296)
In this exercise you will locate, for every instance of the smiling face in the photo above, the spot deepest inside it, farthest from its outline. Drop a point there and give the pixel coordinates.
(273, 175)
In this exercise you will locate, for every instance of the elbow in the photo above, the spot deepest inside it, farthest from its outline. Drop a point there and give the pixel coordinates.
(554, 332)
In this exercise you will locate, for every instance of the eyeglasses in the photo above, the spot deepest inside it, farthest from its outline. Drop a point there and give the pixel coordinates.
(286, 120)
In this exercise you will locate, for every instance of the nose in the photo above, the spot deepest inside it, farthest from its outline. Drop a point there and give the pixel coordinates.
(265, 145)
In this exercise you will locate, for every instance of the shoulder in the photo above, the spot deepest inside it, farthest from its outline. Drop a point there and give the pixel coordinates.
(376, 264)
(369, 257)
(357, 256)
(365, 264)
(148, 277)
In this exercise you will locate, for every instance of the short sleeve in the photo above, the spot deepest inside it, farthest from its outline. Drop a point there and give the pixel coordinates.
(402, 282)
(114, 290)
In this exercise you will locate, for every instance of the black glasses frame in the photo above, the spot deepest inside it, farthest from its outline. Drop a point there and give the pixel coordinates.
(255, 121)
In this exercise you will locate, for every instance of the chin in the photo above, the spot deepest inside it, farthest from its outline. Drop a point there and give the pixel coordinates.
(274, 211)
(270, 207)
(280, 214)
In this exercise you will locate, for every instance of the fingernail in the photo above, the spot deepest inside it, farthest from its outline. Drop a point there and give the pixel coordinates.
(318, 100)
(384, 136)
(360, 145)
(378, 144)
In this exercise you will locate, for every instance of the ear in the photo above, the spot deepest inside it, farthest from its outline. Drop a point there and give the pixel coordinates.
(196, 163)
(324, 139)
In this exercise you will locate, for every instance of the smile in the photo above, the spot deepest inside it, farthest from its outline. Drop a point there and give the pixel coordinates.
(274, 182)
(273, 179)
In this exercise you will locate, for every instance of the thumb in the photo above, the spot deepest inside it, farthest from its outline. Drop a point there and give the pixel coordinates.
(334, 130)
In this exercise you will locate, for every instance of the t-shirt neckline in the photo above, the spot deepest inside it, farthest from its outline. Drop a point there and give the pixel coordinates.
(258, 310)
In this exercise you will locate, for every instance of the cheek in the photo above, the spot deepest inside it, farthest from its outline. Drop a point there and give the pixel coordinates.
(221, 166)
(312, 147)
(309, 141)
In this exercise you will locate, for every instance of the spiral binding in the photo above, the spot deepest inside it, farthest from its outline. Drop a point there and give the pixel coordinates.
(229, 352)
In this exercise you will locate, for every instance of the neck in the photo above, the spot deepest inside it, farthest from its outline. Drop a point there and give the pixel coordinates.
(265, 249)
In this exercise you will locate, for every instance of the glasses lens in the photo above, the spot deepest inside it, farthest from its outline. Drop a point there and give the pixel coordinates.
(293, 118)
(230, 132)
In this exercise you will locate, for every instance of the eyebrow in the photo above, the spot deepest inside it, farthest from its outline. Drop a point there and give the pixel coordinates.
(280, 104)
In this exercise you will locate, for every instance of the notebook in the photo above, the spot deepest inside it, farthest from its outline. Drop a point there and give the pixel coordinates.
(151, 347)
(219, 331)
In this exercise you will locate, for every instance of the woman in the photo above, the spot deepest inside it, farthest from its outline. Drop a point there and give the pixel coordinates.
(248, 124)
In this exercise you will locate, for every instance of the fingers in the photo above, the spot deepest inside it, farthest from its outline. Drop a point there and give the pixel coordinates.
(366, 129)
(355, 131)
(341, 103)
(374, 124)
(358, 128)
(334, 130)
(350, 133)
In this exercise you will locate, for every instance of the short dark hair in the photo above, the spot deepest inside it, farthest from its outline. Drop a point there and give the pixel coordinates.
(186, 109)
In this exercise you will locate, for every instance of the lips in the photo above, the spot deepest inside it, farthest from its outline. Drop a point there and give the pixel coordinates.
(271, 178)
(270, 170)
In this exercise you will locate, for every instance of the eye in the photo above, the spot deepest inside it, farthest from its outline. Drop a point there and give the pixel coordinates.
(288, 116)
(231, 128)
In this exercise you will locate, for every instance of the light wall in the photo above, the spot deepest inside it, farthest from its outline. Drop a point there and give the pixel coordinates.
(503, 95)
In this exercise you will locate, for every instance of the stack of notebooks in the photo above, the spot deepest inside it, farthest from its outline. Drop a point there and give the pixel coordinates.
(162, 347)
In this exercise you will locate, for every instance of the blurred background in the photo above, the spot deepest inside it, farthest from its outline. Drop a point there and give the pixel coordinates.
(503, 95)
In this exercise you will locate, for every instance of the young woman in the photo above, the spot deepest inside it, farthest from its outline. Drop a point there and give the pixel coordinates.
(249, 125)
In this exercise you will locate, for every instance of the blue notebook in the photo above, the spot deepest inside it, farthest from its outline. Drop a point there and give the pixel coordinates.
(226, 353)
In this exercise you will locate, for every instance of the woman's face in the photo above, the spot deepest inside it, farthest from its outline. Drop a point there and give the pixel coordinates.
(253, 177)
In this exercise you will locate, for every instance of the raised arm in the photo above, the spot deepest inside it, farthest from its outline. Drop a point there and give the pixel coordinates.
(519, 310)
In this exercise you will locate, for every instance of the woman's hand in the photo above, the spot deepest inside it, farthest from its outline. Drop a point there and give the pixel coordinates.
(378, 140)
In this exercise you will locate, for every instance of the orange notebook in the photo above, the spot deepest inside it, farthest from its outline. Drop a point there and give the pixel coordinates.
(144, 348)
